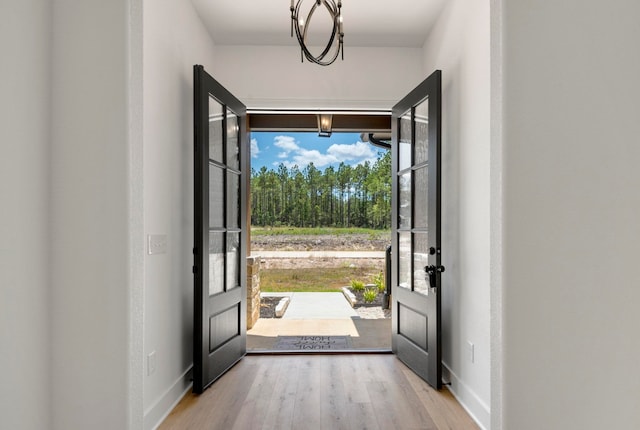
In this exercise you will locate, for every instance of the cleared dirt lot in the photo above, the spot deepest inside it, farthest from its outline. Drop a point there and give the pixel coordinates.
(327, 242)
(351, 242)
(304, 263)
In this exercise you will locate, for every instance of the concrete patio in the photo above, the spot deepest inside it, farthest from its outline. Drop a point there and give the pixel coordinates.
(321, 314)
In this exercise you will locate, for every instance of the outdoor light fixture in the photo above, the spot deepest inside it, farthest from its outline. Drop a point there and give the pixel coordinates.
(324, 124)
(301, 25)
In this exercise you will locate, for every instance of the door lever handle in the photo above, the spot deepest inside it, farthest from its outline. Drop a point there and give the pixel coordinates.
(432, 271)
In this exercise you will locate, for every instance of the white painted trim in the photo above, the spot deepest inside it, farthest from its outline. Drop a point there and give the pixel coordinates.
(156, 414)
(257, 104)
(283, 111)
(470, 401)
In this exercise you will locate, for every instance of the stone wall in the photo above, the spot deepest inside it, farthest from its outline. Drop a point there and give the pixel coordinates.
(253, 290)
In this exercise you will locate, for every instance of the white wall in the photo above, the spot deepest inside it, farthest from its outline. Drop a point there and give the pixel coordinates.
(459, 46)
(25, 82)
(274, 77)
(571, 233)
(497, 217)
(174, 40)
(90, 217)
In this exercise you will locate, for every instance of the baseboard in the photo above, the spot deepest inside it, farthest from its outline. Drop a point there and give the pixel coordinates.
(475, 407)
(155, 414)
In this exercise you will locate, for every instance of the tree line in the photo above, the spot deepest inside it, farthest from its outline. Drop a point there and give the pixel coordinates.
(348, 196)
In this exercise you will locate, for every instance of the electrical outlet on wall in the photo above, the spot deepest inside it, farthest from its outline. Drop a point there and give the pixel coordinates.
(471, 351)
(151, 363)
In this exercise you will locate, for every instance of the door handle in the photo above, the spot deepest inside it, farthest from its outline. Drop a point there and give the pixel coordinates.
(432, 271)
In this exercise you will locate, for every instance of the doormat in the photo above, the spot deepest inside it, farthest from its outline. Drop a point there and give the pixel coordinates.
(313, 343)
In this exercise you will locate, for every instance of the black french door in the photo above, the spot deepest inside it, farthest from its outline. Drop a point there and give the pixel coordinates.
(416, 269)
(220, 249)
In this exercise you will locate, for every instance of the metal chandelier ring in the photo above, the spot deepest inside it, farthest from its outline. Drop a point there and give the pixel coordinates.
(301, 34)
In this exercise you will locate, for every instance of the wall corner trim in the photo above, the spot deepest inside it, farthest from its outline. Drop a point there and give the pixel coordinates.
(156, 413)
(474, 405)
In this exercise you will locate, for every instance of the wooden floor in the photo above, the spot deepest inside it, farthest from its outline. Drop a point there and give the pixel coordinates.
(350, 391)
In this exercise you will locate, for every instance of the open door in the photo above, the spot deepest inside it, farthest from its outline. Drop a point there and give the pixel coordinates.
(415, 219)
(220, 133)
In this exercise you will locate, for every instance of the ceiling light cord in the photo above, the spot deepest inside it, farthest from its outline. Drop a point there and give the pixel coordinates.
(301, 27)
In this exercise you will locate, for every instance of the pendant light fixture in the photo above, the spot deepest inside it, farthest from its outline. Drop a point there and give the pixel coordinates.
(300, 25)
(324, 124)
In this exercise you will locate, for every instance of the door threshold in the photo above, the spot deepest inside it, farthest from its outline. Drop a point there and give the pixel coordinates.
(319, 351)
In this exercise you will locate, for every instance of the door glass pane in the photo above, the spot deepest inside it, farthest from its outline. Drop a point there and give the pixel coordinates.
(216, 196)
(216, 262)
(405, 141)
(233, 260)
(420, 260)
(233, 200)
(404, 260)
(215, 130)
(422, 132)
(404, 215)
(421, 200)
(233, 150)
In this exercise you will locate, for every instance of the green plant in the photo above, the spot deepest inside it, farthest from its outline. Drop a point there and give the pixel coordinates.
(378, 280)
(357, 285)
(369, 295)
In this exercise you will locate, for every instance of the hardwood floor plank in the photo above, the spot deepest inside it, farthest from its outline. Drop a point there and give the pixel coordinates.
(256, 404)
(307, 408)
(279, 414)
(231, 397)
(335, 408)
(443, 408)
(406, 412)
(362, 417)
(332, 392)
(389, 385)
(219, 406)
(355, 379)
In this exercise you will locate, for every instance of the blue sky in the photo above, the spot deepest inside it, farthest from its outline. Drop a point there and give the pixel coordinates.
(272, 148)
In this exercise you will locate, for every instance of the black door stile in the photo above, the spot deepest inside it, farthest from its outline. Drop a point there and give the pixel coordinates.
(220, 186)
(416, 251)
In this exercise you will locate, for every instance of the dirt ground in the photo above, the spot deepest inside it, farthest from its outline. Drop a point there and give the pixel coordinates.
(302, 263)
(352, 242)
(328, 242)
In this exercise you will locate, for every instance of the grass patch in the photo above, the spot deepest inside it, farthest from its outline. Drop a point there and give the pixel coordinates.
(309, 231)
(312, 280)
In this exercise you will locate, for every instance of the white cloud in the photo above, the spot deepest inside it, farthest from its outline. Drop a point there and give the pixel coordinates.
(287, 143)
(358, 151)
(254, 148)
(305, 156)
(295, 155)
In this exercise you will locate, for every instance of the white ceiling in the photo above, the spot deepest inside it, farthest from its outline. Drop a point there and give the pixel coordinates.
(367, 23)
